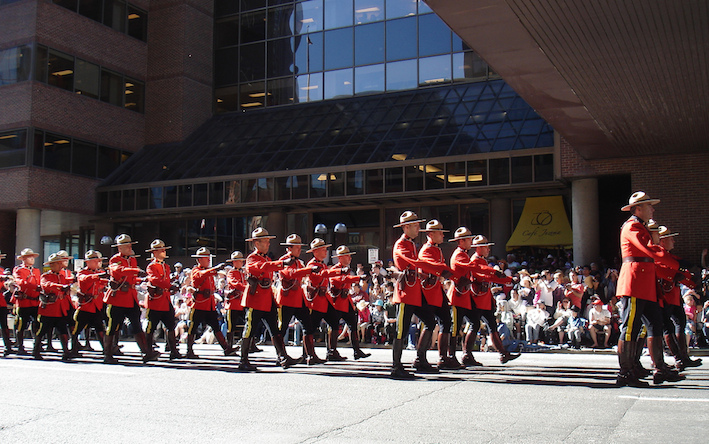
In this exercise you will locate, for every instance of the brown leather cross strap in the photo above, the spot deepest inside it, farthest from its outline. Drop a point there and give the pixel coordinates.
(637, 259)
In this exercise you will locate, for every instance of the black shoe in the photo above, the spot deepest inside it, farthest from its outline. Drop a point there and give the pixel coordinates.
(469, 361)
(398, 372)
(66, 356)
(247, 367)
(424, 367)
(286, 361)
(629, 380)
(508, 357)
(191, 355)
(8, 352)
(230, 351)
(151, 356)
(666, 376)
(175, 355)
(334, 356)
(22, 351)
(359, 354)
(110, 360)
(689, 362)
(37, 356)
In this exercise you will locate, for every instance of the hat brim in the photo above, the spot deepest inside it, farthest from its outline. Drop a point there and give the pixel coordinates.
(292, 245)
(488, 244)
(409, 222)
(125, 243)
(345, 254)
(28, 255)
(51, 262)
(321, 246)
(155, 249)
(251, 239)
(423, 230)
(650, 201)
(204, 255)
(234, 260)
(669, 235)
(461, 238)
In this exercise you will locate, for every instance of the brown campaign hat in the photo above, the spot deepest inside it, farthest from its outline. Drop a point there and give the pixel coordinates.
(157, 244)
(236, 256)
(203, 252)
(123, 239)
(317, 243)
(639, 197)
(652, 225)
(260, 233)
(434, 225)
(293, 240)
(408, 217)
(665, 232)
(343, 250)
(54, 257)
(92, 254)
(461, 233)
(27, 252)
(481, 241)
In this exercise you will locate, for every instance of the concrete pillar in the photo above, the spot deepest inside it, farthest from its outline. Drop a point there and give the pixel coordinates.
(27, 232)
(276, 226)
(500, 226)
(584, 214)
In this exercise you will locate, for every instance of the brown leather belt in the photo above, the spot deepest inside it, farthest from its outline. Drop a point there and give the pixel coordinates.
(637, 259)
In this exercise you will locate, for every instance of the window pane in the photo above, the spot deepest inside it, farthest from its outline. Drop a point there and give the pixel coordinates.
(282, 191)
(338, 83)
(226, 33)
(280, 22)
(225, 7)
(400, 8)
(251, 4)
(338, 13)
(252, 62)
(69, 4)
(91, 9)
(227, 99)
(57, 152)
(544, 168)
(41, 64)
(434, 36)
(401, 39)
(226, 66)
(84, 159)
(369, 44)
(137, 23)
(468, 65)
(336, 184)
(184, 195)
(128, 200)
(135, 95)
(308, 16)
(253, 27)
(169, 197)
(15, 64)
(355, 183)
(108, 160)
(143, 199)
(318, 184)
(199, 194)
(216, 193)
(61, 70)
(253, 95)
(38, 149)
(393, 180)
(265, 189)
(308, 51)
(280, 58)
(402, 75)
(435, 178)
(499, 171)
(111, 88)
(280, 92)
(369, 79)
(375, 181)
(13, 146)
(414, 178)
(423, 7)
(114, 15)
(338, 48)
(299, 186)
(434, 70)
(87, 79)
(369, 11)
(522, 169)
(455, 173)
(309, 88)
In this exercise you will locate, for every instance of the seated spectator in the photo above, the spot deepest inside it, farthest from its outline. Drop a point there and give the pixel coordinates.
(705, 320)
(526, 292)
(362, 319)
(358, 294)
(575, 327)
(599, 321)
(561, 316)
(510, 343)
(377, 319)
(574, 291)
(503, 312)
(390, 319)
(518, 307)
(536, 321)
(690, 310)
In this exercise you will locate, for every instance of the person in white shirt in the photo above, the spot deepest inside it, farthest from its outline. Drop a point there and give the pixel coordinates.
(536, 318)
(546, 286)
(599, 320)
(561, 316)
(518, 307)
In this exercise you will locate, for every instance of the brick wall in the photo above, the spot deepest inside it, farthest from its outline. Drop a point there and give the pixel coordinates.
(17, 22)
(678, 180)
(15, 105)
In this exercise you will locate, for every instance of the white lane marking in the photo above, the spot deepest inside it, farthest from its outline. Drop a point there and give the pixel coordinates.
(647, 398)
(68, 369)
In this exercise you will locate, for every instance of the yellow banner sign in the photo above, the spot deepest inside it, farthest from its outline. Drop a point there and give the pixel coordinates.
(543, 224)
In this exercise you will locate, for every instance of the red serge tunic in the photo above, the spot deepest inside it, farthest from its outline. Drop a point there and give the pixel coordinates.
(320, 280)
(27, 280)
(259, 267)
(637, 279)
(67, 303)
(406, 292)
(53, 283)
(159, 277)
(91, 284)
(432, 262)
(235, 286)
(669, 289)
(203, 282)
(3, 302)
(486, 274)
(290, 293)
(123, 269)
(461, 267)
(341, 281)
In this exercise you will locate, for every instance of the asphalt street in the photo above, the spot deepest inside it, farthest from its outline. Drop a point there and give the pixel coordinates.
(540, 397)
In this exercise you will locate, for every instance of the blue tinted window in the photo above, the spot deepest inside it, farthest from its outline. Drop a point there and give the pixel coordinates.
(369, 43)
(308, 16)
(309, 88)
(369, 11)
(434, 36)
(338, 83)
(280, 22)
(434, 70)
(369, 79)
(423, 7)
(308, 51)
(402, 75)
(280, 57)
(400, 8)
(401, 39)
(338, 13)
(338, 48)
(468, 65)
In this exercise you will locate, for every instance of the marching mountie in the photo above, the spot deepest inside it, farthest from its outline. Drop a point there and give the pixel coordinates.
(159, 301)
(258, 299)
(92, 285)
(434, 296)
(461, 296)
(3, 314)
(26, 296)
(316, 299)
(638, 292)
(235, 286)
(204, 305)
(67, 304)
(482, 295)
(51, 310)
(674, 318)
(340, 299)
(291, 297)
(408, 297)
(121, 298)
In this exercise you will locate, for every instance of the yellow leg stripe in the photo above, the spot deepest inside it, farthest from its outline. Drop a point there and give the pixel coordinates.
(191, 329)
(455, 327)
(399, 321)
(39, 321)
(228, 321)
(109, 328)
(280, 318)
(247, 333)
(631, 320)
